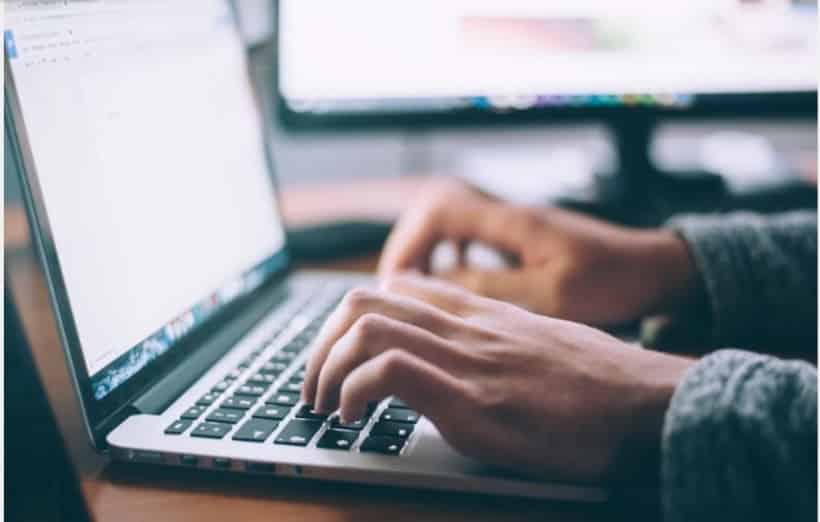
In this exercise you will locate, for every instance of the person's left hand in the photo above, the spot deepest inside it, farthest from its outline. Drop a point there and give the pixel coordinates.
(529, 393)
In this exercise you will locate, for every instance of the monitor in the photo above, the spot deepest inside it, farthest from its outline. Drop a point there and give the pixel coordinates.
(427, 64)
(145, 159)
(485, 59)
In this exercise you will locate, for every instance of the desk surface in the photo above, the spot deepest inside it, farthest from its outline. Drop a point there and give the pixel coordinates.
(128, 492)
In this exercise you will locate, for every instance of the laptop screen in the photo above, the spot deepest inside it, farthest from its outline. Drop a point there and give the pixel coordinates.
(148, 148)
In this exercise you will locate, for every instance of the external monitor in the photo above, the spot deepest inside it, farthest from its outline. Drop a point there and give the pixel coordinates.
(427, 64)
(429, 61)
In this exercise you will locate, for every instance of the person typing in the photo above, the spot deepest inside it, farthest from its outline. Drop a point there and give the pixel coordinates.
(512, 367)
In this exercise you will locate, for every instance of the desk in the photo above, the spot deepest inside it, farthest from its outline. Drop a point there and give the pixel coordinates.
(122, 493)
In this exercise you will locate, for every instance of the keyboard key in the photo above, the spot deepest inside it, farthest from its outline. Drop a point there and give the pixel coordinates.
(284, 357)
(295, 346)
(229, 416)
(337, 439)
(271, 412)
(273, 368)
(298, 432)
(255, 430)
(306, 412)
(400, 415)
(211, 430)
(381, 444)
(262, 378)
(193, 412)
(251, 390)
(283, 399)
(178, 427)
(398, 403)
(221, 386)
(238, 403)
(355, 425)
(400, 430)
(292, 387)
(207, 399)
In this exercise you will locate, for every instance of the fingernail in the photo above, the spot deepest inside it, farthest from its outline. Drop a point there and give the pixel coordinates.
(347, 418)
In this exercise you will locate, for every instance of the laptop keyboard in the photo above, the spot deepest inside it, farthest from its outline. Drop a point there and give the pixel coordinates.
(257, 412)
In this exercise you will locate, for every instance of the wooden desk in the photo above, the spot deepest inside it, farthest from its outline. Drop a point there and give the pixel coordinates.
(122, 493)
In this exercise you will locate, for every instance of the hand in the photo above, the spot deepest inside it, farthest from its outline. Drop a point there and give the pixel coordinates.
(542, 396)
(566, 265)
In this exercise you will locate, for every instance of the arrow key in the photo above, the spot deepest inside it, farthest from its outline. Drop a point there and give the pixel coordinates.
(255, 430)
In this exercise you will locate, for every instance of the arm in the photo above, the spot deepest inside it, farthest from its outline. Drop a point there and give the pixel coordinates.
(759, 275)
(751, 279)
(735, 432)
(740, 439)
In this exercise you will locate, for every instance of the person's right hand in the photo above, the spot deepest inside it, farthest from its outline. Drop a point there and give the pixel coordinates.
(566, 265)
(544, 397)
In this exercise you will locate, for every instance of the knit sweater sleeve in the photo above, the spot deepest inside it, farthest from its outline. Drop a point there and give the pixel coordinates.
(759, 275)
(740, 441)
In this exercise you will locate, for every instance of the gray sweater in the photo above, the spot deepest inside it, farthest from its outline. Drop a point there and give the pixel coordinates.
(740, 435)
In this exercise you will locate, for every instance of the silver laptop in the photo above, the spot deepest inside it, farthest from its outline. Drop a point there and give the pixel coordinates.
(149, 189)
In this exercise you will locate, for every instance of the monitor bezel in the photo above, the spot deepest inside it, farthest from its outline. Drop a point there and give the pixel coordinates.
(801, 104)
(102, 415)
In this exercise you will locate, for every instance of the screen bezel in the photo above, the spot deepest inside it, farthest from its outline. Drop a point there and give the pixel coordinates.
(98, 414)
(705, 106)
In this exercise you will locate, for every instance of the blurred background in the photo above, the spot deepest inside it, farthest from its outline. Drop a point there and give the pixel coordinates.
(746, 150)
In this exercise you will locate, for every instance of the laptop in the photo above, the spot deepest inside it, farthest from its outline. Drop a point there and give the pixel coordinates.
(149, 189)
(30, 423)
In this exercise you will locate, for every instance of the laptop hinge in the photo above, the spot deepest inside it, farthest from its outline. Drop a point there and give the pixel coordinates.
(169, 388)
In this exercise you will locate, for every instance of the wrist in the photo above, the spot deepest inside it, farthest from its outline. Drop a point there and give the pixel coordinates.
(670, 272)
(656, 379)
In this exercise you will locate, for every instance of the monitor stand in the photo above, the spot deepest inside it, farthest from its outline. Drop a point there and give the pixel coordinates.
(638, 193)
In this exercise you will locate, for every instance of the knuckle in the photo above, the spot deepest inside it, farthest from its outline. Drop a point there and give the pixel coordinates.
(358, 299)
(369, 325)
(488, 399)
(527, 218)
(391, 364)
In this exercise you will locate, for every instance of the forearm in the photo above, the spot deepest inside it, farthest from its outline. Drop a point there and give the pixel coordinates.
(740, 441)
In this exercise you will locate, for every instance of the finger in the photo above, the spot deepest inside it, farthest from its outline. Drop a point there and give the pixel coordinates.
(437, 292)
(424, 387)
(469, 219)
(358, 303)
(372, 335)
(412, 240)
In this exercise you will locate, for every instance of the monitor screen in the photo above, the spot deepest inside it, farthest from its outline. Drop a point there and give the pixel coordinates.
(363, 56)
(149, 155)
